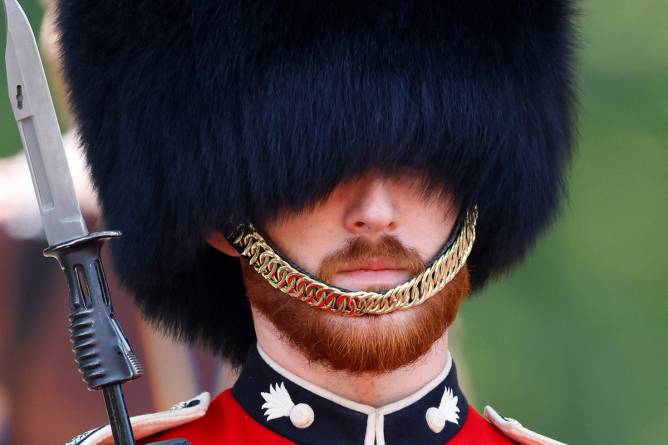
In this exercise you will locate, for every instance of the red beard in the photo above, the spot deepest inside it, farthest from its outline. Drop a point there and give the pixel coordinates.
(368, 344)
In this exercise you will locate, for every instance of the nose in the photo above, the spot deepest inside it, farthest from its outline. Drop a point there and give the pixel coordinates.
(371, 210)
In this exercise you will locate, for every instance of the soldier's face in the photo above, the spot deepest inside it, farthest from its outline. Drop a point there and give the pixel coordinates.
(391, 220)
(368, 234)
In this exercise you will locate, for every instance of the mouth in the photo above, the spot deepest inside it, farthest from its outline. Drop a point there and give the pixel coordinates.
(374, 274)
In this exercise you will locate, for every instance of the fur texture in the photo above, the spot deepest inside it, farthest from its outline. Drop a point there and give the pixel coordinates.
(200, 114)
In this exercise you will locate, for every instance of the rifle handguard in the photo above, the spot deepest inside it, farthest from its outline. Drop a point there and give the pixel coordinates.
(102, 352)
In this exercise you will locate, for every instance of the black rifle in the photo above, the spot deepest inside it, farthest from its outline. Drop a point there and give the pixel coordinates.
(102, 352)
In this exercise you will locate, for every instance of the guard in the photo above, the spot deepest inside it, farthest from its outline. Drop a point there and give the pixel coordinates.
(312, 188)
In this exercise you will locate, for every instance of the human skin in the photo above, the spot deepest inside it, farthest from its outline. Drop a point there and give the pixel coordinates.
(370, 206)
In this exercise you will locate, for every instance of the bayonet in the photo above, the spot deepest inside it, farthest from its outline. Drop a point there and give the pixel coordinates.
(40, 133)
(102, 352)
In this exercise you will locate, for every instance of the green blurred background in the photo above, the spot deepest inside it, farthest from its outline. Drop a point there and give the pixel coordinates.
(573, 343)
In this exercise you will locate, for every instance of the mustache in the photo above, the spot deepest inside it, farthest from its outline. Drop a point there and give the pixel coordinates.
(360, 251)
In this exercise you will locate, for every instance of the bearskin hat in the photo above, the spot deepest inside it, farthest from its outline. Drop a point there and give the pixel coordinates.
(198, 115)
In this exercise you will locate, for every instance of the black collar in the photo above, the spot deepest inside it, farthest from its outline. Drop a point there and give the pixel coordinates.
(265, 390)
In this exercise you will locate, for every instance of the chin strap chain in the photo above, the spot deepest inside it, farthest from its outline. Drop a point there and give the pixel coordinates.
(281, 275)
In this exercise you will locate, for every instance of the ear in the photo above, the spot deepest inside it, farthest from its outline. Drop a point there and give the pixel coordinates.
(218, 241)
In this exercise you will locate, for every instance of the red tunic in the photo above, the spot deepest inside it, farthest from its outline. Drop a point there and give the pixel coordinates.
(270, 405)
(226, 422)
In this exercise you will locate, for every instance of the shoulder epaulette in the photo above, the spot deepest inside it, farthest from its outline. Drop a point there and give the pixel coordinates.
(515, 431)
(148, 424)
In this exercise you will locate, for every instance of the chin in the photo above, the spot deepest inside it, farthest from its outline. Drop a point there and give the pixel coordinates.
(368, 344)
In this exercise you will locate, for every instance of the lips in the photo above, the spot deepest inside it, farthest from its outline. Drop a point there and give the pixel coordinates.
(373, 265)
(374, 274)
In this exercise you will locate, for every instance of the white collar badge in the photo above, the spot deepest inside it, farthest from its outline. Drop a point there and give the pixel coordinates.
(447, 411)
(278, 403)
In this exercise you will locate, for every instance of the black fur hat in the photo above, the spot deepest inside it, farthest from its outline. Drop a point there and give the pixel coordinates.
(200, 114)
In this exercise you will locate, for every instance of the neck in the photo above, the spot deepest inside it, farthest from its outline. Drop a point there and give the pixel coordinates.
(370, 389)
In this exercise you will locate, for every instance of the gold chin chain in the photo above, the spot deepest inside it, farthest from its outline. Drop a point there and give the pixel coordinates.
(300, 286)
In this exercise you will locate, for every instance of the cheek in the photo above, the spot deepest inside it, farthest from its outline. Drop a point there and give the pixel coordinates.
(427, 227)
(306, 239)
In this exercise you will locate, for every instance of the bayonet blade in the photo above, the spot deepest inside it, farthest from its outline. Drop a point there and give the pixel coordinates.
(40, 134)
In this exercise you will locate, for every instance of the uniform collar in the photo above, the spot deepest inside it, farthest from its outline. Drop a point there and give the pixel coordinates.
(308, 414)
